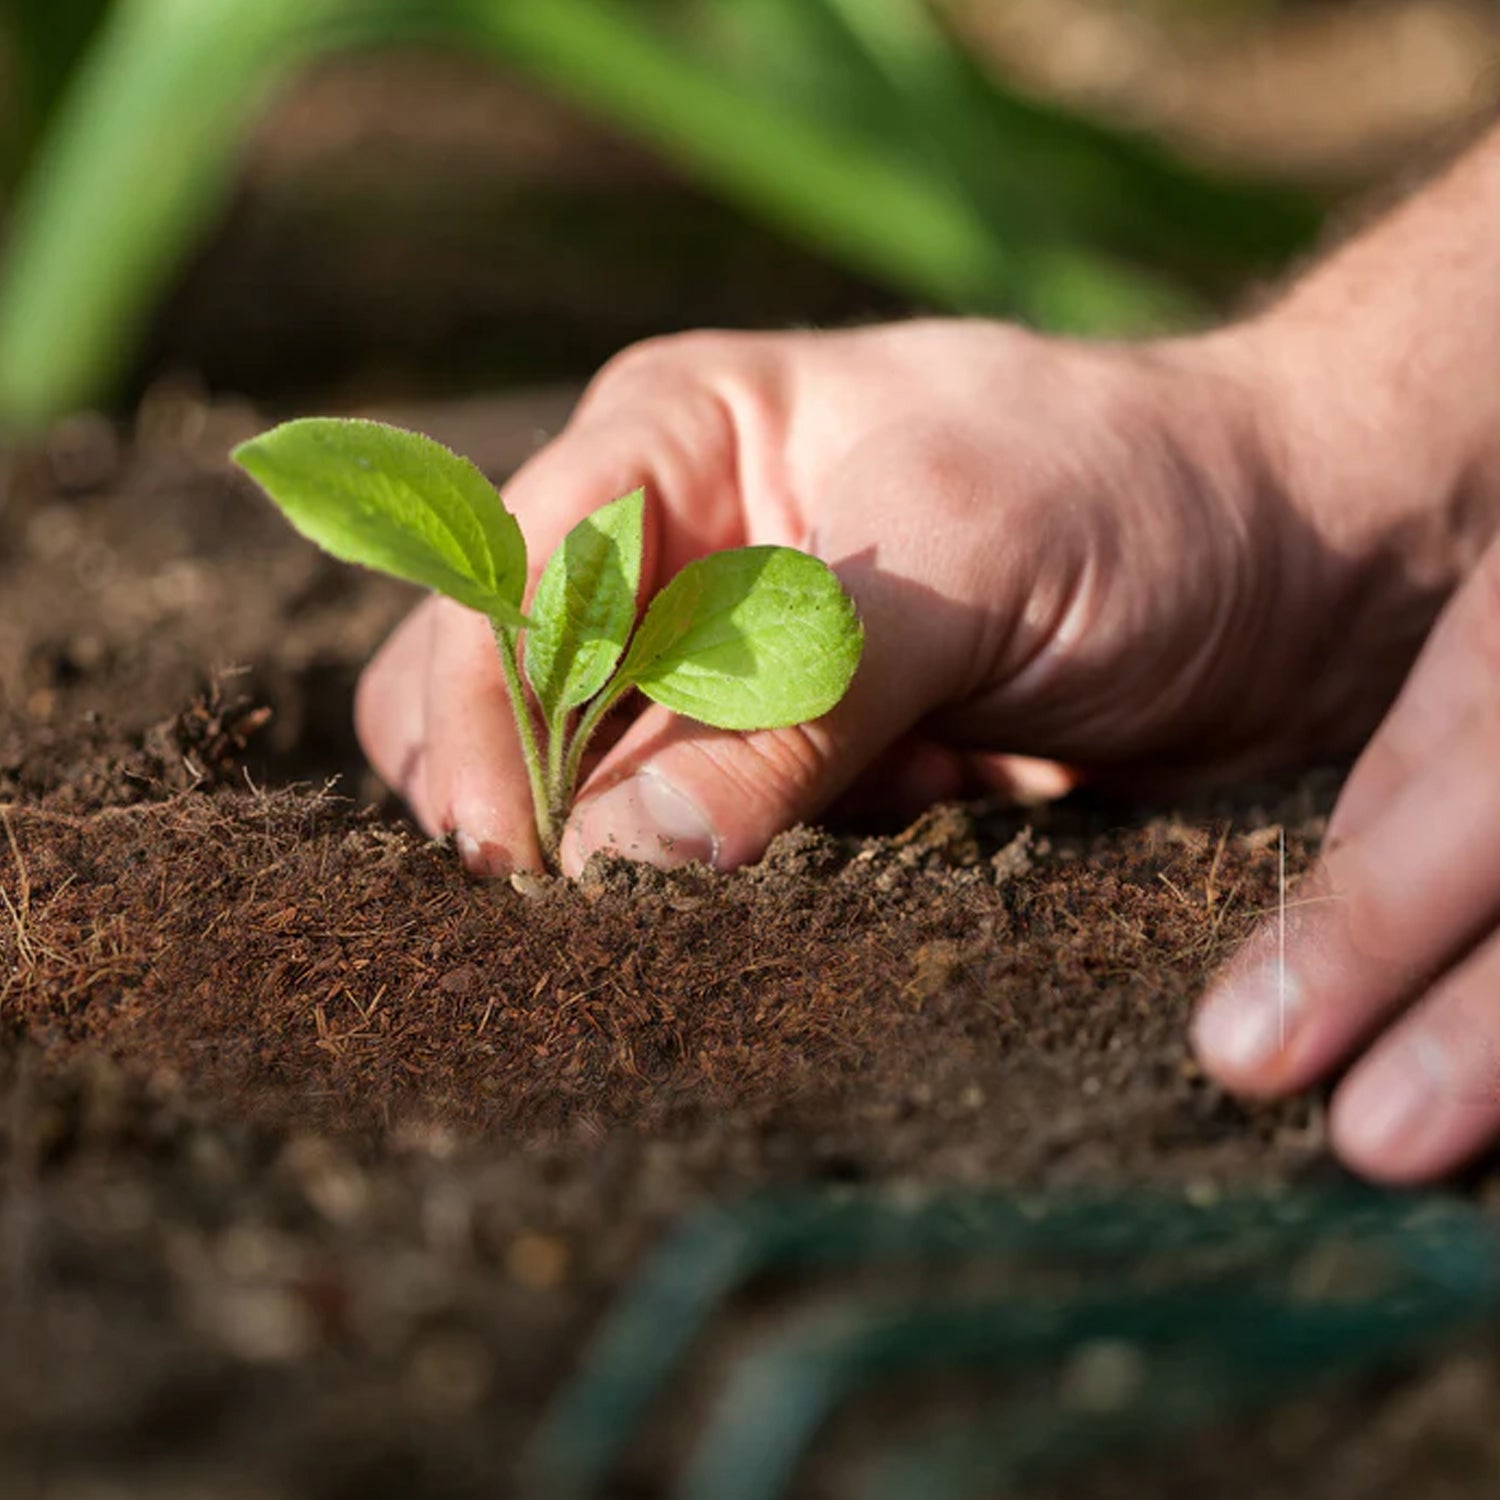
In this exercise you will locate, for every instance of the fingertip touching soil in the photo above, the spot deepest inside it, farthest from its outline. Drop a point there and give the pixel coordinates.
(318, 1160)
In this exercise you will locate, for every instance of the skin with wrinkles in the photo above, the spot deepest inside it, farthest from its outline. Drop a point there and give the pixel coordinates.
(1142, 564)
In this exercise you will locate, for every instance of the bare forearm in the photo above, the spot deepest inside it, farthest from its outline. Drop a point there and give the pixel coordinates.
(1385, 363)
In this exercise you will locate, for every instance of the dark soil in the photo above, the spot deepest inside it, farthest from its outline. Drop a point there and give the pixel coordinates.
(317, 1160)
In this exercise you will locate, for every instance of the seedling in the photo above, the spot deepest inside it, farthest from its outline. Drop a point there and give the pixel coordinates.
(751, 638)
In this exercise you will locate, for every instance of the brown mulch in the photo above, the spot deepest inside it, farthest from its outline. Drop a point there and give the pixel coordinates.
(318, 1160)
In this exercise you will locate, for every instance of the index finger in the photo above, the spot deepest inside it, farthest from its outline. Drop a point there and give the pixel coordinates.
(1444, 687)
(1412, 879)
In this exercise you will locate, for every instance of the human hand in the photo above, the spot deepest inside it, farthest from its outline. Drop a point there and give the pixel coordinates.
(1392, 947)
(1087, 554)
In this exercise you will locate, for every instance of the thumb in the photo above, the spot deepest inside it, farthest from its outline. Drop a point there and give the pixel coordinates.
(673, 791)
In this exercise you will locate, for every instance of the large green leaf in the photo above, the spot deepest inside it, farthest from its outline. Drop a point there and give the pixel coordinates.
(584, 605)
(755, 638)
(397, 502)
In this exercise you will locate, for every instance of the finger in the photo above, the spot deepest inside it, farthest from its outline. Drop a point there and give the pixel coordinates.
(390, 710)
(1427, 1097)
(1018, 778)
(476, 782)
(915, 773)
(910, 777)
(673, 791)
(1458, 660)
(1386, 909)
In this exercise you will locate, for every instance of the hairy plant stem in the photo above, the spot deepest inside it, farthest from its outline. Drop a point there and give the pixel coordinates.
(552, 770)
(546, 824)
(593, 716)
(558, 800)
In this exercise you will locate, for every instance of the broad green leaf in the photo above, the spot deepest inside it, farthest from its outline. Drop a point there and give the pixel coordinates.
(397, 502)
(756, 638)
(584, 605)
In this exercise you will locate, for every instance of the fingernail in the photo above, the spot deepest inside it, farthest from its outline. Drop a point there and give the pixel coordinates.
(1396, 1101)
(1246, 1025)
(487, 861)
(643, 818)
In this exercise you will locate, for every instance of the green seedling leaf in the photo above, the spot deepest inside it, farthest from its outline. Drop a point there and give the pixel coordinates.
(756, 638)
(397, 502)
(584, 606)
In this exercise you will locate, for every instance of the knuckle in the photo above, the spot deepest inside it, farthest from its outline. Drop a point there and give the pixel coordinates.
(665, 357)
(1380, 773)
(959, 490)
(1367, 916)
(682, 405)
(926, 458)
(647, 355)
(701, 348)
(952, 478)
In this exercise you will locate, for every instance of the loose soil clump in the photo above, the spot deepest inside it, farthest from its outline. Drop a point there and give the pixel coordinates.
(318, 1160)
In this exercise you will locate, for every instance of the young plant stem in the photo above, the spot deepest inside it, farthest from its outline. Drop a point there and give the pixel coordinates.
(557, 749)
(546, 827)
(593, 716)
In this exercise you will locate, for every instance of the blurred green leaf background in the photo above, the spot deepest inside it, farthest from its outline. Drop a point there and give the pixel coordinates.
(868, 131)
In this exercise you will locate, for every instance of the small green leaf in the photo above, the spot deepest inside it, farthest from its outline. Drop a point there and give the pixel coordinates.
(584, 605)
(397, 502)
(756, 638)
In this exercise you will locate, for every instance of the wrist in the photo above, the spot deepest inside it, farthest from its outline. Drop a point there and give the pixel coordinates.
(1389, 479)
(1379, 368)
(1368, 513)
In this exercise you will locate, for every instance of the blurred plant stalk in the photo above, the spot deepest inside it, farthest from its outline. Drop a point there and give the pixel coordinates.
(859, 127)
